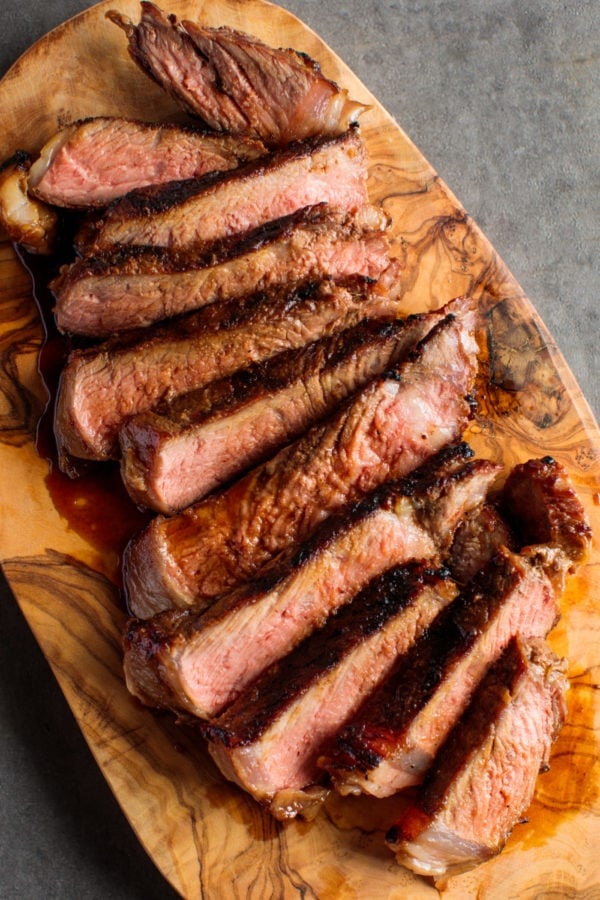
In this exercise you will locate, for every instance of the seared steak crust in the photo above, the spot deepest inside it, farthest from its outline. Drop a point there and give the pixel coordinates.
(185, 214)
(93, 161)
(179, 452)
(135, 286)
(484, 777)
(394, 738)
(103, 386)
(234, 82)
(202, 662)
(269, 739)
(384, 431)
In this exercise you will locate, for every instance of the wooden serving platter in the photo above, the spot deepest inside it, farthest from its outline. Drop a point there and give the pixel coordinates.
(62, 562)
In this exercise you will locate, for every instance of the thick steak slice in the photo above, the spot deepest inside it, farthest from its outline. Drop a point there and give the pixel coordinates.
(269, 739)
(396, 735)
(94, 161)
(136, 286)
(484, 778)
(234, 82)
(185, 214)
(178, 453)
(202, 662)
(102, 387)
(383, 432)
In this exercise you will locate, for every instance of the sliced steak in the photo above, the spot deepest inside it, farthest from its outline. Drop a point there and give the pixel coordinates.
(396, 735)
(382, 432)
(102, 387)
(185, 214)
(484, 778)
(269, 739)
(201, 662)
(234, 82)
(183, 450)
(136, 286)
(94, 161)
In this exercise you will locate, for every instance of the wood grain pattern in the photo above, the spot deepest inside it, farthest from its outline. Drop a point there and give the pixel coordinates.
(195, 826)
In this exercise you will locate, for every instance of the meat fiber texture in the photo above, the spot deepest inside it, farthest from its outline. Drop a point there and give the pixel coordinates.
(269, 740)
(234, 82)
(103, 386)
(174, 455)
(186, 214)
(485, 778)
(383, 432)
(200, 662)
(94, 161)
(396, 735)
(135, 287)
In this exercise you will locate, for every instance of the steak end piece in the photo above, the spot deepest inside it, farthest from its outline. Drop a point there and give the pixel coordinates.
(235, 82)
(484, 777)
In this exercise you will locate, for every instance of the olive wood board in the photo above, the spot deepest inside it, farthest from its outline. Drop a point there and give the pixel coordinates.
(61, 561)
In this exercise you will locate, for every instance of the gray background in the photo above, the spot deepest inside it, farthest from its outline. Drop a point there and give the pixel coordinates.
(502, 97)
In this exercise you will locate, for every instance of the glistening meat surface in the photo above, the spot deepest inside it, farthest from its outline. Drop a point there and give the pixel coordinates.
(394, 738)
(102, 387)
(176, 454)
(189, 213)
(387, 429)
(202, 662)
(268, 741)
(485, 776)
(137, 286)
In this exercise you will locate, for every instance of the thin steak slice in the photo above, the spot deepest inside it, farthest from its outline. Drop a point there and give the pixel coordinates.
(93, 161)
(176, 454)
(102, 387)
(201, 662)
(268, 741)
(234, 82)
(396, 735)
(385, 430)
(136, 286)
(184, 214)
(484, 778)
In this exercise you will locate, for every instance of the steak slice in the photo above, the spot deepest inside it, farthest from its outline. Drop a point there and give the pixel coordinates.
(396, 735)
(101, 387)
(183, 450)
(201, 662)
(136, 286)
(96, 160)
(186, 214)
(234, 82)
(382, 432)
(484, 778)
(269, 739)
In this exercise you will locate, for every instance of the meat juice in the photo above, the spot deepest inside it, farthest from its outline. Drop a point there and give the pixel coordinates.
(91, 498)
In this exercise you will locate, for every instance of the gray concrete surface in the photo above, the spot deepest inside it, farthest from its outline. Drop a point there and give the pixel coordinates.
(503, 98)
